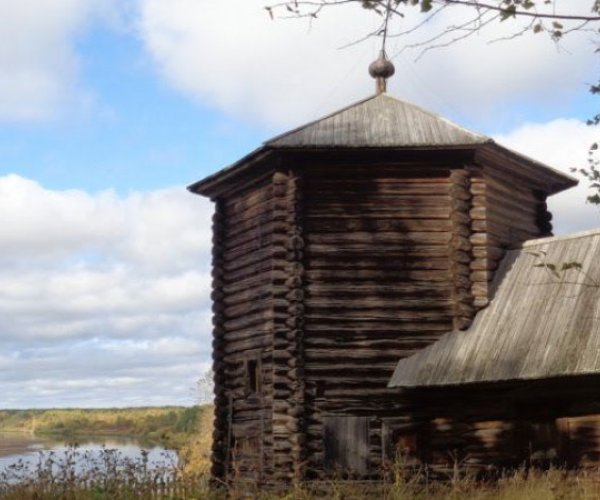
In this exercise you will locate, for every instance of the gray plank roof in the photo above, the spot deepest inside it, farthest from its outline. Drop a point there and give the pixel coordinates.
(379, 121)
(537, 326)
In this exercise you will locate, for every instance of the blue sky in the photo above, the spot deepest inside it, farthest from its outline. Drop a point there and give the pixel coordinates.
(135, 133)
(109, 109)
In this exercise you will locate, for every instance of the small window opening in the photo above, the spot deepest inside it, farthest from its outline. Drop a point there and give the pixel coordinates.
(253, 376)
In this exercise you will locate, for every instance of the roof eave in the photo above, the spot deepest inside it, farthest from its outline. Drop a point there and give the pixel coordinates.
(553, 180)
(212, 185)
(415, 386)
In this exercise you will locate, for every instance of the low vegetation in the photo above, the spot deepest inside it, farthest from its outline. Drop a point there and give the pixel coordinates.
(113, 476)
(173, 426)
(81, 475)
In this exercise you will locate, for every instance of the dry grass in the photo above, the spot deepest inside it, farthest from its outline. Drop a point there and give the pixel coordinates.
(113, 476)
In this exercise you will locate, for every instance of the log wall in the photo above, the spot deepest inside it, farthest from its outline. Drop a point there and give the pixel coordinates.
(288, 349)
(244, 233)
(325, 275)
(505, 213)
(491, 429)
(387, 255)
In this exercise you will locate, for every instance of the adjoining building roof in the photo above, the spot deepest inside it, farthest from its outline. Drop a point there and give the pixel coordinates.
(544, 321)
(377, 122)
(382, 122)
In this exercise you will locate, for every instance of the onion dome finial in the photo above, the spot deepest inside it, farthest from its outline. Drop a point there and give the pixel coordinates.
(381, 70)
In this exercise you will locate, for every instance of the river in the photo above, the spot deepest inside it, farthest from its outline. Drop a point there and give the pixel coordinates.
(17, 446)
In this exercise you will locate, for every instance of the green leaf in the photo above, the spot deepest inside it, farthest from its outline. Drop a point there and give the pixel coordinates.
(570, 265)
(510, 11)
(426, 5)
(594, 199)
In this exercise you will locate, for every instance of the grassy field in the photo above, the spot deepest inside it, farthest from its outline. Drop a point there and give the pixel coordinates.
(173, 427)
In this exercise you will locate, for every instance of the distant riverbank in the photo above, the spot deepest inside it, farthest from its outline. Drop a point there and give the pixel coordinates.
(170, 426)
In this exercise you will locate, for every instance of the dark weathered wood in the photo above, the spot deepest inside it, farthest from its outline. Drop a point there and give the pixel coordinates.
(326, 274)
(221, 437)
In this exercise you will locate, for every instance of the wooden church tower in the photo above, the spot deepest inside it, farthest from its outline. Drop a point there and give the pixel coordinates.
(339, 248)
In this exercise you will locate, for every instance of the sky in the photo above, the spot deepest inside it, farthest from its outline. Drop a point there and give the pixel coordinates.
(109, 108)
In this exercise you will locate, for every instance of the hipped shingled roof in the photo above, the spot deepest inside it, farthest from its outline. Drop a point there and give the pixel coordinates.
(544, 322)
(381, 122)
(378, 122)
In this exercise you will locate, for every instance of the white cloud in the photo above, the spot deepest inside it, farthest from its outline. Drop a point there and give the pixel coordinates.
(148, 230)
(38, 60)
(562, 144)
(96, 289)
(281, 73)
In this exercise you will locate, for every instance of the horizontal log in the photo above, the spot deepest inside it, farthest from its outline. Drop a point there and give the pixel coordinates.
(347, 187)
(415, 172)
(242, 252)
(362, 355)
(263, 212)
(252, 282)
(243, 202)
(366, 330)
(258, 202)
(513, 204)
(240, 224)
(503, 186)
(352, 289)
(376, 204)
(260, 293)
(233, 262)
(379, 238)
(373, 225)
(266, 328)
(259, 320)
(502, 221)
(244, 345)
(371, 303)
(374, 275)
(402, 315)
(316, 371)
(262, 267)
(365, 262)
(407, 250)
(251, 307)
(257, 238)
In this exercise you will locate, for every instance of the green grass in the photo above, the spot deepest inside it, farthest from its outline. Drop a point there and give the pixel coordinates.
(171, 426)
